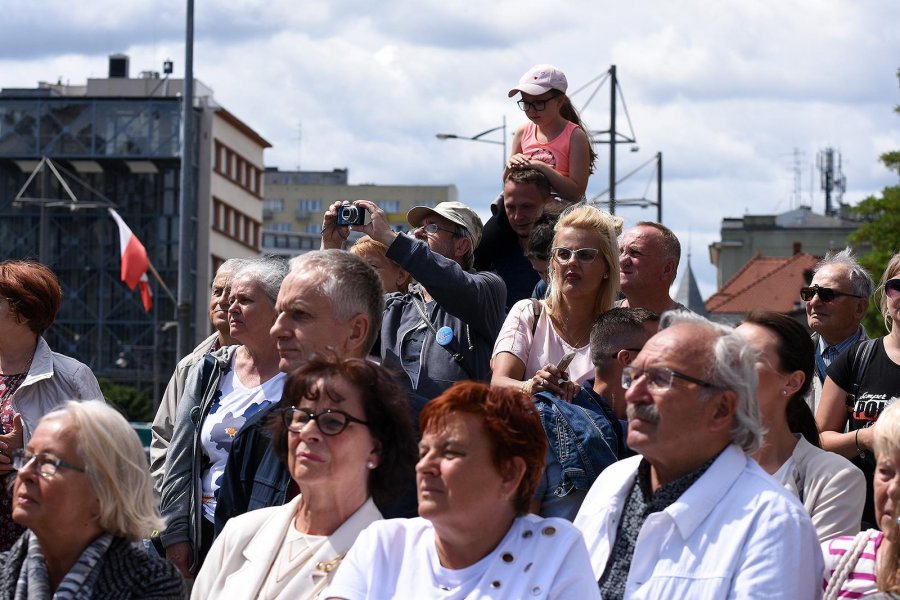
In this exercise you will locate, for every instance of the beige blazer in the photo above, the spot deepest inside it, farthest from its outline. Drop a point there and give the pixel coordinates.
(239, 561)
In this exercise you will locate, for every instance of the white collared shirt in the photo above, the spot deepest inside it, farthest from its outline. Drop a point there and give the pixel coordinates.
(735, 533)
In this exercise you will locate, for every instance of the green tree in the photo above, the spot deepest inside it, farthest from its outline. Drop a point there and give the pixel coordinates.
(881, 229)
(133, 404)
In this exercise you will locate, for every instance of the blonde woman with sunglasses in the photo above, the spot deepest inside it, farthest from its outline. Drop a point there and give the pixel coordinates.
(859, 387)
(584, 281)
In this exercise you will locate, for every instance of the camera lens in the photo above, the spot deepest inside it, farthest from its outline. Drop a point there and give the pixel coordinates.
(349, 214)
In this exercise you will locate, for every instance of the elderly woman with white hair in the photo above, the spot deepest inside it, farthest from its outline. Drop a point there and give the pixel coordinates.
(222, 392)
(83, 492)
(870, 562)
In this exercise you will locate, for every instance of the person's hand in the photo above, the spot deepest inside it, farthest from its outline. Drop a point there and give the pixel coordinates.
(378, 227)
(518, 161)
(550, 379)
(333, 236)
(10, 442)
(180, 555)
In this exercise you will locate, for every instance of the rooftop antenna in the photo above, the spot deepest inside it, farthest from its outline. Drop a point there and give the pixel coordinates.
(797, 196)
(832, 179)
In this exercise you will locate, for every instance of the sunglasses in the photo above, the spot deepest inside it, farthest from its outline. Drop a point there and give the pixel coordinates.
(825, 294)
(564, 255)
(892, 287)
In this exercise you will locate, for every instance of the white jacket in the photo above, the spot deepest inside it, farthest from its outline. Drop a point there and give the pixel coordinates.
(240, 559)
(52, 380)
(735, 533)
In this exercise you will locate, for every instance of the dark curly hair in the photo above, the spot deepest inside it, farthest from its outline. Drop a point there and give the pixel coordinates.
(511, 422)
(387, 413)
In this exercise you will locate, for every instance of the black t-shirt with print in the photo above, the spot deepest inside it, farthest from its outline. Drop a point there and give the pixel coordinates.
(879, 388)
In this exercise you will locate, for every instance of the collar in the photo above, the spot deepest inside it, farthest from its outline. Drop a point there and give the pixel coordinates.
(840, 346)
(41, 363)
(700, 499)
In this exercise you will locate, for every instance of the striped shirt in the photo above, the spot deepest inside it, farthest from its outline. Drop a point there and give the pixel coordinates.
(861, 581)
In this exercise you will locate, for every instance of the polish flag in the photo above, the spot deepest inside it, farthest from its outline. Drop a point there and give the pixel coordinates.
(134, 261)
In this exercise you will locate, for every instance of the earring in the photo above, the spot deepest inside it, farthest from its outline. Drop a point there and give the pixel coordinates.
(784, 392)
(606, 276)
(370, 464)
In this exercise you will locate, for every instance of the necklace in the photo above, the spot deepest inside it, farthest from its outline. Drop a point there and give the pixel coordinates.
(562, 330)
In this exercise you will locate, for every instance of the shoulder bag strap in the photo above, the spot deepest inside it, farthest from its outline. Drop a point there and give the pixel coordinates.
(845, 565)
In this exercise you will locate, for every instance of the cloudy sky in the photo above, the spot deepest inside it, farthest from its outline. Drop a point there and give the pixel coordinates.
(726, 90)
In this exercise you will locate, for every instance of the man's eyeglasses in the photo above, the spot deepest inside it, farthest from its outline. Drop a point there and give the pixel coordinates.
(564, 255)
(47, 463)
(535, 104)
(433, 228)
(825, 294)
(892, 287)
(658, 378)
(330, 421)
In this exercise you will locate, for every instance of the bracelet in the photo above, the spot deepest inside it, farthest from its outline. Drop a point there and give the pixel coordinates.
(526, 389)
(860, 451)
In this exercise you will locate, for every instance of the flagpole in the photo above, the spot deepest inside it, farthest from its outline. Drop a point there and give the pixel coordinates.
(187, 199)
(162, 284)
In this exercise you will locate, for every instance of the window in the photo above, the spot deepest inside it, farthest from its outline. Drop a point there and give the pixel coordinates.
(314, 228)
(305, 205)
(389, 206)
(275, 205)
(278, 227)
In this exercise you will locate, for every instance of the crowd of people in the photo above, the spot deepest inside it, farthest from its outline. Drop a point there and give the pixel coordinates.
(508, 409)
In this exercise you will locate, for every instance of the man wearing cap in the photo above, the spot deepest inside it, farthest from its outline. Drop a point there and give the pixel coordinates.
(443, 330)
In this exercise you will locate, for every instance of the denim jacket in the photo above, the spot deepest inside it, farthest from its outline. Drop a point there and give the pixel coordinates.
(584, 436)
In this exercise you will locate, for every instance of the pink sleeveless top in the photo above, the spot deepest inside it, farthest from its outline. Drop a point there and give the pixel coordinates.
(555, 152)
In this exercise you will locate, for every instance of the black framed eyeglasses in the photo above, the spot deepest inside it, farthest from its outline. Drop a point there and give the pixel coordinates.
(433, 228)
(892, 287)
(47, 464)
(658, 378)
(536, 104)
(330, 421)
(563, 255)
(825, 294)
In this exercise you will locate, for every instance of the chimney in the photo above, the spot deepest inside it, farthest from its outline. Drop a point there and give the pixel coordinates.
(118, 66)
(797, 248)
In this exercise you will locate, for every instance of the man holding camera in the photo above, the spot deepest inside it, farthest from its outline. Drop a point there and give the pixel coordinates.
(443, 330)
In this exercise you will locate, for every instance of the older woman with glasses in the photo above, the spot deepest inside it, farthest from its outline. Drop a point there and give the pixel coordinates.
(480, 458)
(83, 491)
(33, 379)
(538, 334)
(346, 436)
(861, 383)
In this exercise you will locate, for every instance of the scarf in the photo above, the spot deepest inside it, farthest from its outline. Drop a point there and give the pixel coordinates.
(78, 584)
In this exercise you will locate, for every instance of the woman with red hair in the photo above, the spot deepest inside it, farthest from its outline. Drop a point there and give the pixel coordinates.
(480, 460)
(34, 380)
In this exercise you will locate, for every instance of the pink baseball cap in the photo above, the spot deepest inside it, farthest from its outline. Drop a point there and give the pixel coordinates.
(540, 79)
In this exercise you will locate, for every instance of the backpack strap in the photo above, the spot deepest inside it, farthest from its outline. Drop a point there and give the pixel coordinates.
(536, 308)
(859, 365)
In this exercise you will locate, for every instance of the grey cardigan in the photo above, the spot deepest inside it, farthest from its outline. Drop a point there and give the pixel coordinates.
(181, 495)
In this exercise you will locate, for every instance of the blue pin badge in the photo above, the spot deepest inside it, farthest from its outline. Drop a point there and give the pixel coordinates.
(444, 335)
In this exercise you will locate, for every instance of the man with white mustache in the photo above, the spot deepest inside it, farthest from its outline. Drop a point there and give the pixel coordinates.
(695, 516)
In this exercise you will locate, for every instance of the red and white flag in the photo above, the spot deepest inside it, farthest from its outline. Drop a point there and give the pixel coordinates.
(134, 261)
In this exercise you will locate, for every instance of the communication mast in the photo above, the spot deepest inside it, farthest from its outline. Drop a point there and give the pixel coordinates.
(832, 179)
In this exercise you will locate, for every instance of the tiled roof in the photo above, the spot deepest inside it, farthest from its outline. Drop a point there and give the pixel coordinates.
(770, 283)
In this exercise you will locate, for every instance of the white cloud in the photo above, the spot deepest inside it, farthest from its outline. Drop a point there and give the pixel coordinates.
(726, 90)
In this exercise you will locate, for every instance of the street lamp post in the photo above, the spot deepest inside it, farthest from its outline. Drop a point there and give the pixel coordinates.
(478, 137)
